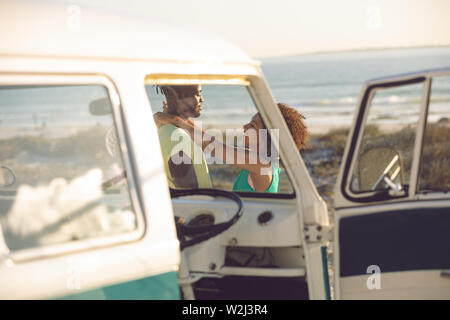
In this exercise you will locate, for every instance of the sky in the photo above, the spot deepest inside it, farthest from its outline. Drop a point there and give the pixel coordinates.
(266, 28)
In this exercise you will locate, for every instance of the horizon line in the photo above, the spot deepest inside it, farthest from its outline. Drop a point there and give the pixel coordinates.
(352, 50)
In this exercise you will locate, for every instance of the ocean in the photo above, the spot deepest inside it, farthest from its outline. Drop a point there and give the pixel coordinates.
(325, 87)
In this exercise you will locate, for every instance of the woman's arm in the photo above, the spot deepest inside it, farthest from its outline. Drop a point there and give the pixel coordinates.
(252, 161)
(261, 181)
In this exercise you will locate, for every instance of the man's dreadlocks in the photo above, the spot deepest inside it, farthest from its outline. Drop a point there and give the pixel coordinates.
(173, 93)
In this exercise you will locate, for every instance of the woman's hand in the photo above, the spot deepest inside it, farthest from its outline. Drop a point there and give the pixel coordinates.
(162, 118)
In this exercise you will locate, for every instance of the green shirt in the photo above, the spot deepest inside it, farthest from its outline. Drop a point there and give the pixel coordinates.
(173, 140)
(241, 182)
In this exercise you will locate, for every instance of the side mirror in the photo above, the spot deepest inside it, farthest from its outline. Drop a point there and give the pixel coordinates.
(377, 169)
(7, 177)
(100, 107)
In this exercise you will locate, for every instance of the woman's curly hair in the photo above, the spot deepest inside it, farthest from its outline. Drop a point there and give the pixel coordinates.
(297, 127)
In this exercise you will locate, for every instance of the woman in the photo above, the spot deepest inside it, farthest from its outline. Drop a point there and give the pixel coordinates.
(258, 173)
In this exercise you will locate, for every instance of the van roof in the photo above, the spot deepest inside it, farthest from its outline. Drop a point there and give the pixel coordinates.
(57, 30)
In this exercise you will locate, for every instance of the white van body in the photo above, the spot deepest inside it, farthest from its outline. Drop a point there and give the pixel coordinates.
(45, 44)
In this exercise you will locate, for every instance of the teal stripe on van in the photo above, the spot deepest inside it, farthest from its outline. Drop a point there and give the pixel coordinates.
(326, 278)
(160, 287)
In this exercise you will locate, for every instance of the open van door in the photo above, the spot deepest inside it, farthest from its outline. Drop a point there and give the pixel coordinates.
(280, 234)
(392, 217)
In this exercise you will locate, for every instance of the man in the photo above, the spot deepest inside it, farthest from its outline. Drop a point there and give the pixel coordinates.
(184, 160)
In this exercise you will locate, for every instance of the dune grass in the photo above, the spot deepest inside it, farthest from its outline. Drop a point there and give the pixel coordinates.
(38, 159)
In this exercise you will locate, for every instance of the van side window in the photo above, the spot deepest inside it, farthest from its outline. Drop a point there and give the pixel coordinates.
(387, 145)
(435, 164)
(62, 177)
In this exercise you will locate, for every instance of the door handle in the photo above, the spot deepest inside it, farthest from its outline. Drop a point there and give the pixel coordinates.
(445, 273)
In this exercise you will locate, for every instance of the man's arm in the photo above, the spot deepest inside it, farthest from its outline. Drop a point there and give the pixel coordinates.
(183, 174)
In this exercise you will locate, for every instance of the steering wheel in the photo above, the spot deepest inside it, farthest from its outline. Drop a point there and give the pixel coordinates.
(202, 233)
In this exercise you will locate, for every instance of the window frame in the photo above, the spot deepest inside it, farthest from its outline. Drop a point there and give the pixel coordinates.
(429, 194)
(222, 80)
(356, 135)
(44, 251)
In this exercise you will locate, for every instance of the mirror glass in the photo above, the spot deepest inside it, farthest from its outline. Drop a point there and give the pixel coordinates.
(7, 177)
(100, 107)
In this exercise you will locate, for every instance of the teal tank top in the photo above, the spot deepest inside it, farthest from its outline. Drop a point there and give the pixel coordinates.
(241, 182)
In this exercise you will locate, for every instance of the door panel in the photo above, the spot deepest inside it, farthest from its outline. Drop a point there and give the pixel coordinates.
(281, 231)
(409, 245)
(426, 284)
(254, 258)
(392, 239)
(398, 240)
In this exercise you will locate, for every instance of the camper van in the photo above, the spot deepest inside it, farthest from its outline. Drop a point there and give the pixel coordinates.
(87, 210)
